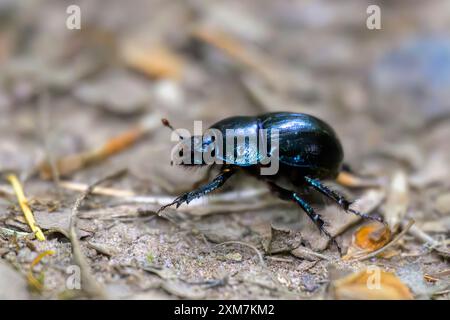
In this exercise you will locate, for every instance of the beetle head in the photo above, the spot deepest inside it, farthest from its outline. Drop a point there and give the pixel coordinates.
(191, 151)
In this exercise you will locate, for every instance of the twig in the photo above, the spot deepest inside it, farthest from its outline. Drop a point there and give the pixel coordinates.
(439, 293)
(90, 286)
(301, 251)
(82, 187)
(278, 259)
(131, 197)
(420, 235)
(390, 244)
(5, 232)
(72, 163)
(23, 203)
(241, 195)
(232, 207)
(260, 256)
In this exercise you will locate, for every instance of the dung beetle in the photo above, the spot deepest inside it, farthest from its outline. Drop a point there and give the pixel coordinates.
(308, 151)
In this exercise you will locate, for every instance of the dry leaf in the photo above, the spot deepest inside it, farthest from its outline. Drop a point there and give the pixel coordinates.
(284, 240)
(371, 284)
(368, 238)
(372, 236)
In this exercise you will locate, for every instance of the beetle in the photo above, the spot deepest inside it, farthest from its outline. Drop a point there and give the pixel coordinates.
(309, 151)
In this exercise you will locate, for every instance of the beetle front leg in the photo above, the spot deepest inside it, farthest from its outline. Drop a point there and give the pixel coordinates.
(338, 198)
(315, 217)
(216, 183)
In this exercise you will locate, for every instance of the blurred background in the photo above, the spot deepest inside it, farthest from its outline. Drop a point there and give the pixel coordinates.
(197, 60)
(76, 105)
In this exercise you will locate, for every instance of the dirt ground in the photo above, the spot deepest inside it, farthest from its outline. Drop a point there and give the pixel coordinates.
(77, 106)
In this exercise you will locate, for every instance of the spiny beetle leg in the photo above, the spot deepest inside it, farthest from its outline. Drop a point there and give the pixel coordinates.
(216, 183)
(338, 198)
(315, 217)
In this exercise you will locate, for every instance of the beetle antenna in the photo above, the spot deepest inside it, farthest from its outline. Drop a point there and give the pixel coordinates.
(167, 124)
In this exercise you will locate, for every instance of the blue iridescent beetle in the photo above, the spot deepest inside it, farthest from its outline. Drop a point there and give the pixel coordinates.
(307, 151)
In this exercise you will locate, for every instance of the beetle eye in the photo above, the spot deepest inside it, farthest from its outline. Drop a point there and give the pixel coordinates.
(180, 153)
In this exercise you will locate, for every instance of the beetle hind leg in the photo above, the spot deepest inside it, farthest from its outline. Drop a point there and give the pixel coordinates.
(216, 183)
(338, 198)
(315, 217)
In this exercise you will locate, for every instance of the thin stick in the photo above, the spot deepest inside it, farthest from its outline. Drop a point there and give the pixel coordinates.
(390, 244)
(90, 285)
(441, 292)
(23, 203)
(72, 163)
(296, 252)
(112, 192)
(131, 197)
(420, 235)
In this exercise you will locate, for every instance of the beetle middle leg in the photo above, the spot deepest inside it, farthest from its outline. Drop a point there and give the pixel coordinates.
(338, 198)
(217, 182)
(286, 194)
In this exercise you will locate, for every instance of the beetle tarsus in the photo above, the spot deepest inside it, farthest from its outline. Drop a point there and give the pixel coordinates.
(187, 197)
(366, 216)
(338, 198)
